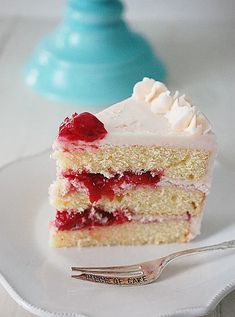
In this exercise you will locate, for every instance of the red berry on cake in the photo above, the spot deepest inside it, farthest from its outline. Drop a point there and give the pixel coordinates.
(85, 127)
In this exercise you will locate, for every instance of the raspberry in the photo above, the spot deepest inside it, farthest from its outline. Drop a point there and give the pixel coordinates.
(85, 127)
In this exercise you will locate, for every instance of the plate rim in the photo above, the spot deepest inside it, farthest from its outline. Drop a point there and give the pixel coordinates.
(42, 312)
(182, 312)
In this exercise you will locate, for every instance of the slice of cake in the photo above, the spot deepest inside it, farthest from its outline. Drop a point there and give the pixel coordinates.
(136, 173)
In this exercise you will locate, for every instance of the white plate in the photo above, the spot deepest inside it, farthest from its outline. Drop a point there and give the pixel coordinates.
(38, 277)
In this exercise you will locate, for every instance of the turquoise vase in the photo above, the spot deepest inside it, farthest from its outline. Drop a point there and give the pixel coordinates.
(92, 58)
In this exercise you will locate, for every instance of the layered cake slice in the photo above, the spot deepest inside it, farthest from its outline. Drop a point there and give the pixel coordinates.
(136, 173)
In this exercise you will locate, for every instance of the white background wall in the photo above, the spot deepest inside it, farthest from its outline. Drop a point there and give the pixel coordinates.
(139, 9)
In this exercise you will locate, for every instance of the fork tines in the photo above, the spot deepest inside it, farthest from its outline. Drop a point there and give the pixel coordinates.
(118, 275)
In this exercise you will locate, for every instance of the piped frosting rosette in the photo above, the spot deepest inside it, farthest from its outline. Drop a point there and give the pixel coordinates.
(181, 115)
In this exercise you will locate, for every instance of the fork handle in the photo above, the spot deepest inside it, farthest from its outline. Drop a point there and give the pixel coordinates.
(220, 246)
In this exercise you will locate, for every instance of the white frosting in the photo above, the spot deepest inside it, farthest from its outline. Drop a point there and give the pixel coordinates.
(157, 89)
(202, 185)
(195, 226)
(163, 103)
(193, 127)
(143, 88)
(152, 116)
(132, 122)
(163, 120)
(184, 117)
(154, 218)
(181, 115)
(199, 124)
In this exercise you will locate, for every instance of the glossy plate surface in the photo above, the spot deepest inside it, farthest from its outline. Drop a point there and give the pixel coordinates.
(38, 277)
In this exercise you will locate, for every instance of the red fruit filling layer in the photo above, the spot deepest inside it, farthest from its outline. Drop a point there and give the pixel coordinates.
(89, 218)
(97, 217)
(98, 185)
(85, 127)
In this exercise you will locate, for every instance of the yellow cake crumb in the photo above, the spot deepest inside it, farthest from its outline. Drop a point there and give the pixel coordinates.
(178, 163)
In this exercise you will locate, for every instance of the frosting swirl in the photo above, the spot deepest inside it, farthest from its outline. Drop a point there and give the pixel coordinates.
(181, 115)
(162, 103)
(142, 88)
(157, 89)
(198, 125)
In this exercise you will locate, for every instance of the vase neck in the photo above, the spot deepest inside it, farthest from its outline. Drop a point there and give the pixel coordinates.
(98, 12)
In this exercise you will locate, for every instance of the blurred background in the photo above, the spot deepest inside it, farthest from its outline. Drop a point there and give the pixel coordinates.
(148, 9)
(194, 39)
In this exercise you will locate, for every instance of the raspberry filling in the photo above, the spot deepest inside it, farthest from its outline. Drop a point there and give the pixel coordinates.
(98, 185)
(97, 217)
(85, 127)
(91, 217)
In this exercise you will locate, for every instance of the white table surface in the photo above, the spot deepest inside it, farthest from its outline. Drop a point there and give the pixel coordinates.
(200, 58)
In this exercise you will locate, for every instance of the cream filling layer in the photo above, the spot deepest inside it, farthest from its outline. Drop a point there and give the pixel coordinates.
(187, 185)
(194, 222)
(61, 187)
(152, 218)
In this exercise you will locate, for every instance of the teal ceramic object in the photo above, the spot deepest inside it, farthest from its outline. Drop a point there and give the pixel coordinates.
(92, 58)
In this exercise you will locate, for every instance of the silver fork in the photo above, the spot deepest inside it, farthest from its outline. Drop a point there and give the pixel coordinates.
(139, 274)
